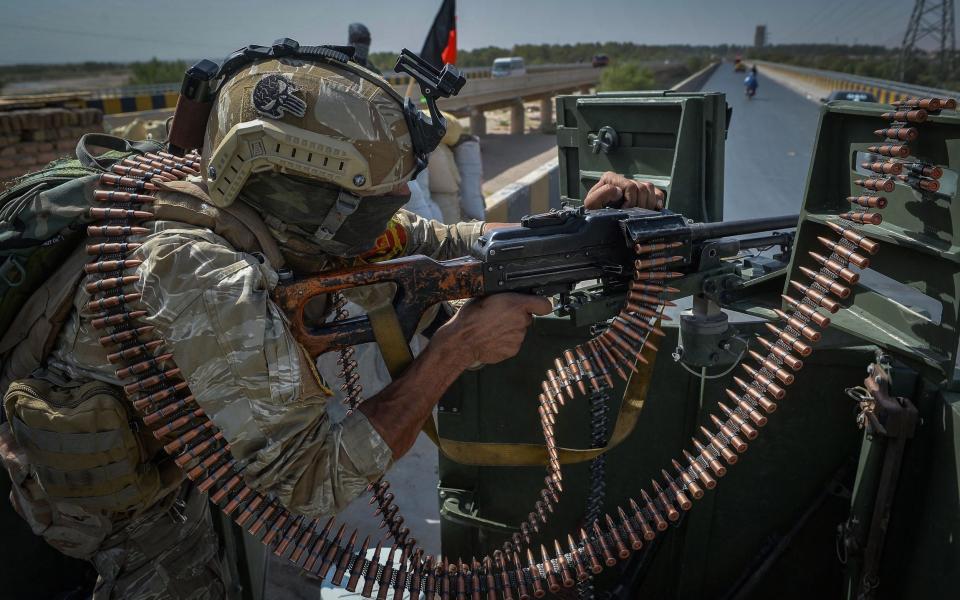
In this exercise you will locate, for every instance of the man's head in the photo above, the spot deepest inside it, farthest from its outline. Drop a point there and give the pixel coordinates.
(320, 147)
(358, 36)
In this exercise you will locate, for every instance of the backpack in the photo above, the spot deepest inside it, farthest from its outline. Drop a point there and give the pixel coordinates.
(43, 217)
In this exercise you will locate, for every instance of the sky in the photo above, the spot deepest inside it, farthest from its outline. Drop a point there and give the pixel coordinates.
(130, 30)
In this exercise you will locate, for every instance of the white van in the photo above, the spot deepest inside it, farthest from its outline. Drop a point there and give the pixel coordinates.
(508, 67)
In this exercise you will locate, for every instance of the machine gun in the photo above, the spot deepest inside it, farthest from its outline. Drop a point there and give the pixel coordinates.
(627, 250)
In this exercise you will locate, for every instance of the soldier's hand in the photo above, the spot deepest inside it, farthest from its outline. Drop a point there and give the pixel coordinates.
(491, 329)
(613, 188)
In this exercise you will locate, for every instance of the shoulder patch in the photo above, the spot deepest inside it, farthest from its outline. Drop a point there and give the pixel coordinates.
(390, 244)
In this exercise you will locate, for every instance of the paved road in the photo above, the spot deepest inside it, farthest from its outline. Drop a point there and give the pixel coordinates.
(768, 146)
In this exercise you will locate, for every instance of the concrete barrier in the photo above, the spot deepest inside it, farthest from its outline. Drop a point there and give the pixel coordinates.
(884, 90)
(539, 191)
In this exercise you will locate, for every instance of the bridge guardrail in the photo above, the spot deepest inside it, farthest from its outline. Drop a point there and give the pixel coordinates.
(885, 90)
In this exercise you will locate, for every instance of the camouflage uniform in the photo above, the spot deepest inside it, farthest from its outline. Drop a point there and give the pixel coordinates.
(211, 303)
(208, 267)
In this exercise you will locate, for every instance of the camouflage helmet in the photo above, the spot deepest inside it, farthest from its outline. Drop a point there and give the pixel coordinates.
(338, 124)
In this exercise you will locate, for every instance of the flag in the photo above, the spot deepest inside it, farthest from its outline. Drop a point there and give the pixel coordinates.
(441, 45)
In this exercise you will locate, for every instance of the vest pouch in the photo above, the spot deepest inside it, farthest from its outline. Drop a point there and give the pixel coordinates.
(81, 445)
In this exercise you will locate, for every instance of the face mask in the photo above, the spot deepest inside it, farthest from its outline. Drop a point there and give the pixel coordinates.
(337, 221)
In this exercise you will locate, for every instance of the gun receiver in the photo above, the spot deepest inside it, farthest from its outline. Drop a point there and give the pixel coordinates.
(547, 254)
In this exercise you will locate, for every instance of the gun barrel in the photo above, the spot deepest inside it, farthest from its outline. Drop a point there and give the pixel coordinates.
(706, 231)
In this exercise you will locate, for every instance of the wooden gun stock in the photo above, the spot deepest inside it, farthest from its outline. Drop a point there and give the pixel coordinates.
(421, 282)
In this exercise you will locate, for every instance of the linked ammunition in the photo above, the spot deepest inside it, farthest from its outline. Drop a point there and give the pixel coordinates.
(791, 340)
(275, 527)
(656, 247)
(198, 450)
(652, 263)
(818, 298)
(264, 519)
(538, 591)
(553, 583)
(922, 183)
(563, 567)
(925, 170)
(836, 268)
(781, 353)
(645, 529)
(578, 565)
(655, 275)
(126, 335)
(864, 218)
(344, 560)
(715, 465)
(640, 323)
(490, 581)
(841, 291)
(122, 197)
(695, 490)
(226, 489)
(430, 588)
(504, 576)
(217, 476)
(768, 385)
(608, 557)
(521, 580)
(906, 116)
(929, 104)
(110, 283)
(768, 405)
(758, 419)
(573, 364)
(595, 566)
(330, 554)
(370, 576)
(175, 406)
(652, 288)
(401, 587)
(444, 579)
(810, 313)
(250, 509)
(632, 536)
(151, 364)
(783, 375)
(195, 432)
(618, 544)
(95, 306)
(682, 501)
(738, 444)
(741, 424)
(888, 167)
(877, 184)
(417, 579)
(117, 319)
(107, 266)
(904, 134)
(894, 151)
(107, 180)
(868, 201)
(725, 452)
(672, 513)
(701, 473)
(386, 577)
(300, 553)
(236, 501)
(152, 381)
(658, 521)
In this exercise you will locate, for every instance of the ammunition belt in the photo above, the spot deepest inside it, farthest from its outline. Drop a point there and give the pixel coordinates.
(159, 392)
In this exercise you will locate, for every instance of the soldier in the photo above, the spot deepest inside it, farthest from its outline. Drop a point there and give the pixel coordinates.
(202, 277)
(358, 36)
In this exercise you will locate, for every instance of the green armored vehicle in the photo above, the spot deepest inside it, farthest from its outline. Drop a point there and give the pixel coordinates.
(786, 430)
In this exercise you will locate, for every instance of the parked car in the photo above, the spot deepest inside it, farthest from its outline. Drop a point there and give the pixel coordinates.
(508, 67)
(600, 60)
(849, 96)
